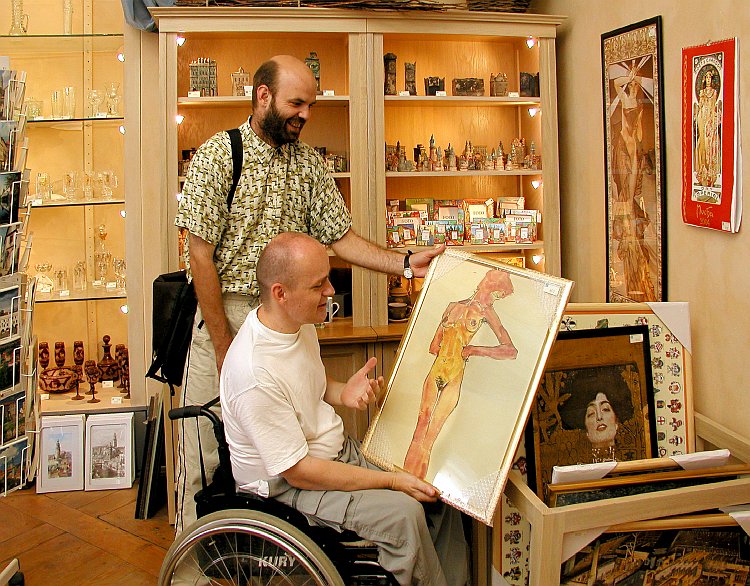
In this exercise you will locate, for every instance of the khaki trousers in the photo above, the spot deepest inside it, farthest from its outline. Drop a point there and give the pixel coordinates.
(200, 384)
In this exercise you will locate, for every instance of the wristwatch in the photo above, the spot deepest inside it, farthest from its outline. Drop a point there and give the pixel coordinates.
(408, 273)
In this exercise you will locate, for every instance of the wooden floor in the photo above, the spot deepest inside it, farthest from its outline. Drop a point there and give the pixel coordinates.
(82, 538)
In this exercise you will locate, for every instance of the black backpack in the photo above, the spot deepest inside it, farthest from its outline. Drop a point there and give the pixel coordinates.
(175, 303)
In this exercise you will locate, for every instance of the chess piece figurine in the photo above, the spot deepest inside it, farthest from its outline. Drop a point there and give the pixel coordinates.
(410, 78)
(108, 366)
(389, 63)
(43, 354)
(93, 375)
(60, 354)
(313, 63)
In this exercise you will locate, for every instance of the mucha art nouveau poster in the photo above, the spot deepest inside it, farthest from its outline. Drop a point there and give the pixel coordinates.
(634, 158)
(711, 161)
(465, 376)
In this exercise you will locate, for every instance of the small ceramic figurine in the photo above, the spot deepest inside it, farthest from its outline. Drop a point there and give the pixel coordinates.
(313, 63)
(410, 78)
(389, 63)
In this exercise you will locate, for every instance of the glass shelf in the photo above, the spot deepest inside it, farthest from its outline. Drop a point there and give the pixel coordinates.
(37, 203)
(73, 123)
(90, 294)
(22, 45)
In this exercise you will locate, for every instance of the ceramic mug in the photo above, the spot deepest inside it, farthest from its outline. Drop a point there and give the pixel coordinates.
(332, 309)
(398, 310)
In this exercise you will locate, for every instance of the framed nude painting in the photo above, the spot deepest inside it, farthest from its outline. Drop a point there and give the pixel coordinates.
(595, 402)
(634, 163)
(465, 376)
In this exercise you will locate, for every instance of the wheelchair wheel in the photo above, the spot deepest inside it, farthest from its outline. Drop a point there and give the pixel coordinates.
(243, 547)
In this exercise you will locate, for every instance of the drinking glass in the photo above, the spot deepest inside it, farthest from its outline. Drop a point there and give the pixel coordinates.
(70, 184)
(88, 185)
(33, 109)
(61, 279)
(110, 90)
(69, 102)
(95, 98)
(57, 104)
(108, 181)
(43, 186)
(79, 275)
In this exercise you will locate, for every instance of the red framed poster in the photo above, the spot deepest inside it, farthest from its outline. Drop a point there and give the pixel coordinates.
(711, 157)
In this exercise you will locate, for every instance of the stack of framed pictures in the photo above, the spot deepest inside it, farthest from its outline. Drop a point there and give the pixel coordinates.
(94, 452)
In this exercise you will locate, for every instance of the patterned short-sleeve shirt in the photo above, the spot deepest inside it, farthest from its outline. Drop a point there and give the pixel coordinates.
(284, 189)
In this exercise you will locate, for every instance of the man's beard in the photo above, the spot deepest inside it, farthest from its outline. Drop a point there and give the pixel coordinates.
(273, 125)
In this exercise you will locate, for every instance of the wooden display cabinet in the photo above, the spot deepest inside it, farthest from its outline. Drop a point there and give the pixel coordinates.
(65, 229)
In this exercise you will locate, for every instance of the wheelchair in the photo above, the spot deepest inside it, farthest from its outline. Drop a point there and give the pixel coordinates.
(245, 539)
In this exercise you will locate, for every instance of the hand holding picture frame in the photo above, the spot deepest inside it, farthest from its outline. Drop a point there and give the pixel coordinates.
(465, 375)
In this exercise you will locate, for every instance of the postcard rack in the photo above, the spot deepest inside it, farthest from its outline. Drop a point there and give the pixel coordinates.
(551, 527)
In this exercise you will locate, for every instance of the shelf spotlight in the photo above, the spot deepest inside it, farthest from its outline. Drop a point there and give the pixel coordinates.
(123, 213)
(121, 54)
(179, 196)
(530, 42)
(180, 40)
(533, 111)
(536, 183)
(179, 118)
(537, 258)
(124, 308)
(122, 129)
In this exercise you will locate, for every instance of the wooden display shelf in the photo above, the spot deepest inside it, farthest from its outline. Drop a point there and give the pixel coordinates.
(63, 404)
(417, 174)
(43, 44)
(70, 123)
(236, 101)
(449, 101)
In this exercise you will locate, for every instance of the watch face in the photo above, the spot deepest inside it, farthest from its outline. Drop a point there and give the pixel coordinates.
(408, 273)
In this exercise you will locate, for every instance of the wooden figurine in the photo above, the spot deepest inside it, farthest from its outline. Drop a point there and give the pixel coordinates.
(313, 63)
(498, 85)
(118, 352)
(125, 371)
(468, 86)
(240, 79)
(432, 85)
(78, 358)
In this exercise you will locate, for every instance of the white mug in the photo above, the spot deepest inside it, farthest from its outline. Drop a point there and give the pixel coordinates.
(332, 309)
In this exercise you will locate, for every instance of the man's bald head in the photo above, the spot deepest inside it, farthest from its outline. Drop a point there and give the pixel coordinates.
(272, 72)
(281, 260)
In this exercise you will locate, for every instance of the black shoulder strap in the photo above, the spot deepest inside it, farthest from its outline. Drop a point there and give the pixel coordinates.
(237, 156)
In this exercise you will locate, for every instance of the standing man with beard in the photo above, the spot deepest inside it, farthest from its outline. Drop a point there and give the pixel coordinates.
(284, 187)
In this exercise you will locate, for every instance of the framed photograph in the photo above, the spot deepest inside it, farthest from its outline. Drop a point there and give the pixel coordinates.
(13, 460)
(571, 493)
(61, 453)
(634, 162)
(109, 451)
(671, 365)
(10, 194)
(594, 403)
(711, 177)
(465, 376)
(721, 555)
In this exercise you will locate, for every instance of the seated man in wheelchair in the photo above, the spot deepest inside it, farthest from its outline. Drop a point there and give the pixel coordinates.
(287, 442)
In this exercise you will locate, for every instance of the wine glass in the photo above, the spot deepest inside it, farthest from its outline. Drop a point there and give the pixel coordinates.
(95, 98)
(110, 90)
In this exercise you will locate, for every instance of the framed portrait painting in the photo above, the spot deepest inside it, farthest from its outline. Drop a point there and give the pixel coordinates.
(594, 403)
(61, 453)
(109, 451)
(634, 163)
(465, 376)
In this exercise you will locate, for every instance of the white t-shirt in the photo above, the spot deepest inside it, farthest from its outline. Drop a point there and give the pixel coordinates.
(272, 388)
